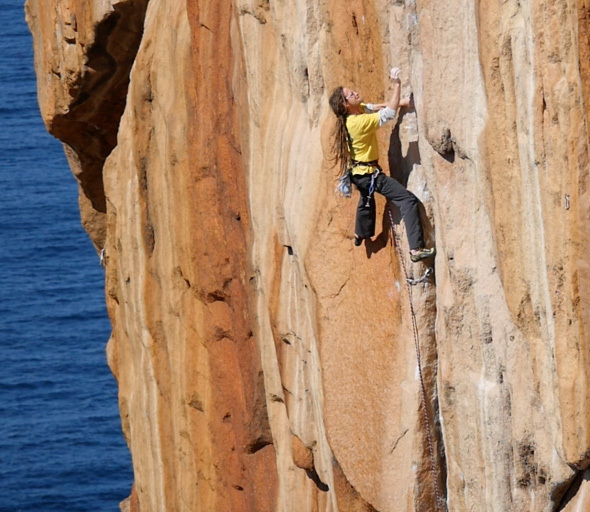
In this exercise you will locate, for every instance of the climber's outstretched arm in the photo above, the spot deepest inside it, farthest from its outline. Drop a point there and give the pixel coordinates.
(388, 111)
(376, 107)
(393, 102)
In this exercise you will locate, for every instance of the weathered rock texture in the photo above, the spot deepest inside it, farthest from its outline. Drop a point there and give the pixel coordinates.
(263, 362)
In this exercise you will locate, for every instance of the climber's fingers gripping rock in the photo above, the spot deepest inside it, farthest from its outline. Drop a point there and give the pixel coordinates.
(394, 74)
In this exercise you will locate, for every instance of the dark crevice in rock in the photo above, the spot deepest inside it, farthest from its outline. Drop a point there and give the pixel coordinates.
(197, 404)
(565, 493)
(257, 445)
(401, 166)
(355, 24)
(89, 128)
(258, 431)
(147, 226)
(303, 458)
(313, 476)
(440, 454)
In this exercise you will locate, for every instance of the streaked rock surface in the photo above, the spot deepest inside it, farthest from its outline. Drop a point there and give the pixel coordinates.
(263, 362)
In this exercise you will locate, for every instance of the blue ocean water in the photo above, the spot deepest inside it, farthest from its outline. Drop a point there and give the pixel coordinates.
(61, 446)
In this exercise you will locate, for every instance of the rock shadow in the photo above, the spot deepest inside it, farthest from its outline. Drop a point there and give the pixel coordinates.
(571, 489)
(380, 241)
(312, 475)
(400, 166)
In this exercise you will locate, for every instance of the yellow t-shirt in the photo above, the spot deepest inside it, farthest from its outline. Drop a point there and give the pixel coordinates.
(363, 131)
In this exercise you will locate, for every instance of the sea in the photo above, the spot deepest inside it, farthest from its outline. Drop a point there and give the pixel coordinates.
(61, 445)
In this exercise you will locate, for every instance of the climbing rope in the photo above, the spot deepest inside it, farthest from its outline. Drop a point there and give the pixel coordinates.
(409, 283)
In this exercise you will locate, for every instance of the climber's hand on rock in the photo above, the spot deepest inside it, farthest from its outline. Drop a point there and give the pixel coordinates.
(394, 74)
(407, 102)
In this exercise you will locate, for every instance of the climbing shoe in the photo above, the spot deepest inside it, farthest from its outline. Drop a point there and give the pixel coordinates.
(358, 241)
(422, 253)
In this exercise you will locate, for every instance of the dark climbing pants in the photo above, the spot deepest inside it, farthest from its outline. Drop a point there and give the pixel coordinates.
(395, 192)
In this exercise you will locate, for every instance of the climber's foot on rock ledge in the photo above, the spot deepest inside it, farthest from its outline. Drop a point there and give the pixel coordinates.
(422, 253)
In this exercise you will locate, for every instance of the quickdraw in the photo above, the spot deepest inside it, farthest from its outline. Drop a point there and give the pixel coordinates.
(429, 271)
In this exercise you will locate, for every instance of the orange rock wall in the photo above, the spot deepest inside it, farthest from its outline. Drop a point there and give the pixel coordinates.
(263, 362)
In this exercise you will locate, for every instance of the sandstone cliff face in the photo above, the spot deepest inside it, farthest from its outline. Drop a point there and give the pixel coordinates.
(263, 362)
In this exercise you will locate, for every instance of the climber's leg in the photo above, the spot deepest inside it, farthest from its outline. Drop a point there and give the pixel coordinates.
(408, 206)
(365, 211)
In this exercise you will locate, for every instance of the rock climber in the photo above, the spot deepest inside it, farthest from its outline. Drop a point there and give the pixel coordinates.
(356, 150)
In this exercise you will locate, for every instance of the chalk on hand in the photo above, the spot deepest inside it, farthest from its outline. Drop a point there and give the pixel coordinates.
(394, 74)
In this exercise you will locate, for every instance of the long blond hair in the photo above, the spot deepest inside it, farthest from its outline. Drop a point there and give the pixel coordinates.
(341, 141)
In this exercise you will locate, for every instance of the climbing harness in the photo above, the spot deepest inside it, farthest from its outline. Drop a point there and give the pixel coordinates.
(371, 163)
(374, 175)
(409, 282)
(344, 187)
(372, 187)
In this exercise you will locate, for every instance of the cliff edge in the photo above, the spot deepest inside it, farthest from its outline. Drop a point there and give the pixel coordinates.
(264, 363)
